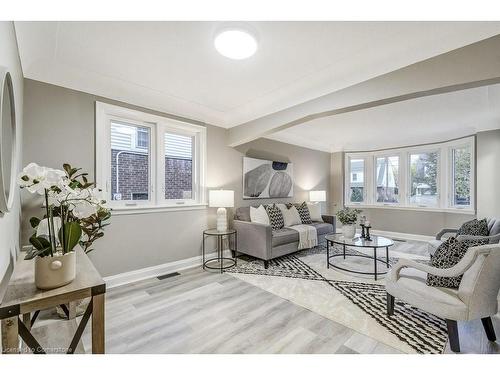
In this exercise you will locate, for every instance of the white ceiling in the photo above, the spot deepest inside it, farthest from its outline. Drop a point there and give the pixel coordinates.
(173, 67)
(417, 121)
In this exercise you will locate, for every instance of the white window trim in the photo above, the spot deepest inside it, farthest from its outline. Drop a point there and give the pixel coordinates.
(158, 125)
(444, 183)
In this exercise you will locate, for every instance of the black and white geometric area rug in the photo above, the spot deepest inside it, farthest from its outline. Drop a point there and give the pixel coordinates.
(423, 332)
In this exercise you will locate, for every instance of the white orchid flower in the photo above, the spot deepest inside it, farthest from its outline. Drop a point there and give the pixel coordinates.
(83, 209)
(37, 179)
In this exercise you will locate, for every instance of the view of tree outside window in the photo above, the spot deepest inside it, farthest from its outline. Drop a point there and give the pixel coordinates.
(387, 179)
(357, 182)
(462, 176)
(423, 179)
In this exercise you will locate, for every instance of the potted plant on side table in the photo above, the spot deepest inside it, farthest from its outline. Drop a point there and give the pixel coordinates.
(348, 217)
(74, 215)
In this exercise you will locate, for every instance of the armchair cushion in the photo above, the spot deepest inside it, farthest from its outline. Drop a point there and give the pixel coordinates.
(411, 287)
(494, 227)
(447, 255)
(474, 228)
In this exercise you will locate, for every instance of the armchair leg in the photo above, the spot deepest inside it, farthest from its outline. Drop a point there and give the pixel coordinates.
(266, 264)
(488, 328)
(390, 305)
(453, 335)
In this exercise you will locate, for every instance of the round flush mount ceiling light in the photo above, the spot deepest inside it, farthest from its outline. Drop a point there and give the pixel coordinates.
(235, 44)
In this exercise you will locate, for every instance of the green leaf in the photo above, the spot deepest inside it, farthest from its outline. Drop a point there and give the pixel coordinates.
(72, 233)
(32, 253)
(39, 243)
(34, 221)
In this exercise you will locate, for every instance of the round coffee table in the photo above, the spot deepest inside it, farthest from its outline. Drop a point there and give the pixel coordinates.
(376, 242)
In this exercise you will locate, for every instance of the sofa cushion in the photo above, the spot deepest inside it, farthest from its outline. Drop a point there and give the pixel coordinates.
(275, 217)
(322, 228)
(290, 215)
(242, 214)
(259, 215)
(315, 211)
(284, 236)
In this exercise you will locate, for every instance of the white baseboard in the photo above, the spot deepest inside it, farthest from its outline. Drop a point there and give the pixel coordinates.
(155, 271)
(403, 236)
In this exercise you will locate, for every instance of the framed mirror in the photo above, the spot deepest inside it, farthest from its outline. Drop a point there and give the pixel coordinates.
(7, 141)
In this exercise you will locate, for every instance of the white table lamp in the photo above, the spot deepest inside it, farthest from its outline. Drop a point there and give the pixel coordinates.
(317, 196)
(221, 199)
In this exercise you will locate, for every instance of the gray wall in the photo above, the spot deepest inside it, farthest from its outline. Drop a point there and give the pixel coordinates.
(59, 127)
(429, 223)
(9, 222)
(488, 173)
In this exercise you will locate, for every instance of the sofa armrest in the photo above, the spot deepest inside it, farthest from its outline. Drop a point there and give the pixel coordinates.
(330, 219)
(254, 239)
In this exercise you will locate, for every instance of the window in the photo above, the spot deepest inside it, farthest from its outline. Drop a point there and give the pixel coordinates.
(387, 179)
(129, 168)
(142, 138)
(461, 172)
(356, 186)
(148, 161)
(437, 177)
(424, 179)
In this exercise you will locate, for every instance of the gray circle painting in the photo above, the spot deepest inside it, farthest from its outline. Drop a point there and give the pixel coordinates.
(267, 179)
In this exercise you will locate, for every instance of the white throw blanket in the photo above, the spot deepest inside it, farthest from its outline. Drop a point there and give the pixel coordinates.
(308, 236)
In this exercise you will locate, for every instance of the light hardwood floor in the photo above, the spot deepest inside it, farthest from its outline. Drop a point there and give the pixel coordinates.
(201, 312)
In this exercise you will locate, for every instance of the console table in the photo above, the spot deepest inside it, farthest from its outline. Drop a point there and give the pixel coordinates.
(23, 298)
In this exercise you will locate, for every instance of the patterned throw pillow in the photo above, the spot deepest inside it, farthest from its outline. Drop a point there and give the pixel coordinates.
(474, 228)
(447, 255)
(305, 215)
(275, 217)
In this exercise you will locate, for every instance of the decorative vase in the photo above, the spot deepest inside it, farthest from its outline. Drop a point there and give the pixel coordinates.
(349, 230)
(56, 271)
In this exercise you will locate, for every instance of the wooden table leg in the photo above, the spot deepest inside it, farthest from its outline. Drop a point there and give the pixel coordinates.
(10, 336)
(27, 323)
(98, 324)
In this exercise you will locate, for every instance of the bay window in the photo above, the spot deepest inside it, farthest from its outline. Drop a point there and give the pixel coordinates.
(423, 186)
(145, 161)
(387, 179)
(437, 177)
(356, 180)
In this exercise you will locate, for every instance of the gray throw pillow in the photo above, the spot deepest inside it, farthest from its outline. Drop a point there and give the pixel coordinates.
(448, 254)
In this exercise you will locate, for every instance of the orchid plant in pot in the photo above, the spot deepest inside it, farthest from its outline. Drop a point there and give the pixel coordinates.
(348, 217)
(74, 215)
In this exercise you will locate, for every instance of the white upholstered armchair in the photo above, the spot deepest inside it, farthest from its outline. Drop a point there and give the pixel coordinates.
(493, 237)
(476, 297)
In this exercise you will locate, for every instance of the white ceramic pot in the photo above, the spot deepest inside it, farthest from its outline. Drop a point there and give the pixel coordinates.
(349, 230)
(56, 271)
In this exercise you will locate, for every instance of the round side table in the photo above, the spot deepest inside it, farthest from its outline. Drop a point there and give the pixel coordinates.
(220, 248)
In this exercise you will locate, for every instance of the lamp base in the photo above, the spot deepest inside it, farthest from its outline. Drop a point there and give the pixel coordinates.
(221, 219)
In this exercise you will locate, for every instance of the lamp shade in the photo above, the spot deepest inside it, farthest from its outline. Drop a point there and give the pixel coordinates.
(221, 198)
(317, 196)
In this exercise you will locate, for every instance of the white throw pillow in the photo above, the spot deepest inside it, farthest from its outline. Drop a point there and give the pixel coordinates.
(290, 216)
(259, 215)
(315, 211)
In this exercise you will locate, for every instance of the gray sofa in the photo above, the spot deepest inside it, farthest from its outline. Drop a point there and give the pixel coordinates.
(260, 241)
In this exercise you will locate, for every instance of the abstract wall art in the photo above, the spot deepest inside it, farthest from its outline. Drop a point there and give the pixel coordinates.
(267, 179)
